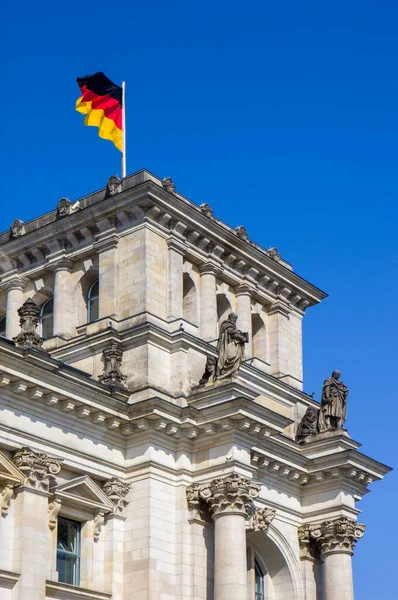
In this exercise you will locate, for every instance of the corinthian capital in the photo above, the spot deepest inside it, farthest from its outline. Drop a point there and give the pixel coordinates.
(232, 494)
(335, 535)
(38, 468)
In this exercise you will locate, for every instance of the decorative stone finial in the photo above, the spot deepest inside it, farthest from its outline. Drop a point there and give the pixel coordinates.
(168, 184)
(334, 535)
(274, 254)
(232, 494)
(206, 210)
(29, 314)
(117, 491)
(261, 519)
(112, 374)
(113, 186)
(241, 232)
(308, 425)
(332, 413)
(17, 229)
(65, 207)
(38, 468)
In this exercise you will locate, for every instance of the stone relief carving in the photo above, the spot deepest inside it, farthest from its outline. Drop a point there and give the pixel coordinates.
(241, 232)
(206, 210)
(261, 519)
(28, 337)
(6, 495)
(112, 374)
(65, 207)
(332, 413)
(274, 254)
(224, 494)
(98, 523)
(117, 491)
(308, 425)
(38, 468)
(113, 186)
(53, 510)
(17, 228)
(168, 184)
(209, 374)
(333, 535)
(230, 348)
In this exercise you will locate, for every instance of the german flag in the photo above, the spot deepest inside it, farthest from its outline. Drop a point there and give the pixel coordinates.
(101, 101)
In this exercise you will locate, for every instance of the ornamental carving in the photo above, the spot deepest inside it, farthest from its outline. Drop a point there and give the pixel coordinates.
(5, 498)
(17, 229)
(274, 254)
(168, 185)
(233, 494)
(113, 186)
(117, 491)
(98, 523)
(206, 210)
(241, 232)
(38, 468)
(53, 510)
(334, 535)
(65, 207)
(28, 337)
(261, 519)
(112, 374)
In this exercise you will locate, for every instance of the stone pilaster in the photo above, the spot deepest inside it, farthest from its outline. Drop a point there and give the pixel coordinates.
(208, 302)
(175, 279)
(107, 248)
(15, 291)
(229, 501)
(64, 308)
(243, 308)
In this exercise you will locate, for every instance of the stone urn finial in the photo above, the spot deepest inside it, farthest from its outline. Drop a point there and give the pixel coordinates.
(112, 374)
(28, 337)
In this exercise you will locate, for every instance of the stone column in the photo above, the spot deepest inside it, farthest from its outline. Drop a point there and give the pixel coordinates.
(64, 306)
(15, 291)
(336, 540)
(106, 246)
(243, 308)
(208, 301)
(175, 279)
(229, 500)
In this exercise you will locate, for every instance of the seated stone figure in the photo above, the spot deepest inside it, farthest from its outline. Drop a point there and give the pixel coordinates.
(230, 348)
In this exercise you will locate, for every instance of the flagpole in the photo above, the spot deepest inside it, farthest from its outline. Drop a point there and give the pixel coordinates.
(123, 129)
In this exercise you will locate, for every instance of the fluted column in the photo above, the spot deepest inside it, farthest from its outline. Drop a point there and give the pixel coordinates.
(336, 540)
(64, 308)
(15, 291)
(208, 302)
(229, 500)
(243, 308)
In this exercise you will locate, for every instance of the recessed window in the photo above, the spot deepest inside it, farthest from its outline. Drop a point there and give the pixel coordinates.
(47, 319)
(68, 551)
(259, 582)
(3, 326)
(93, 302)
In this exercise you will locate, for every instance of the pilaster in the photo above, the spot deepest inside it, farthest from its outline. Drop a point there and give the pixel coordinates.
(64, 308)
(15, 290)
(208, 301)
(243, 308)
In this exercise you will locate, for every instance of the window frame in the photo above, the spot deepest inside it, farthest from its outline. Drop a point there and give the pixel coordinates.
(90, 299)
(258, 577)
(51, 315)
(3, 319)
(74, 555)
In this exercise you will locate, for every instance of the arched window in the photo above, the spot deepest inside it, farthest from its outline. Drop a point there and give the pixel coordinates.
(3, 326)
(223, 308)
(259, 337)
(93, 302)
(47, 319)
(258, 582)
(189, 299)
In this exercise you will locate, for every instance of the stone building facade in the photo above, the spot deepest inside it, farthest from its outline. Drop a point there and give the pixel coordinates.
(121, 476)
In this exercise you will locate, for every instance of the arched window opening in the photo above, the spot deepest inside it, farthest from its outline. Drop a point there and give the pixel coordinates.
(3, 326)
(223, 308)
(93, 302)
(259, 337)
(47, 319)
(258, 582)
(189, 302)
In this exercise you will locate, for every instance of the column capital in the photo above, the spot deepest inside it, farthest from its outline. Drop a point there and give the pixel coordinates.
(18, 283)
(176, 245)
(208, 268)
(243, 290)
(38, 468)
(224, 495)
(332, 536)
(65, 264)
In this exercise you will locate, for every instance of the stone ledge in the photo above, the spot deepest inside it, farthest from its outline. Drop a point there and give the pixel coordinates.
(64, 591)
(8, 579)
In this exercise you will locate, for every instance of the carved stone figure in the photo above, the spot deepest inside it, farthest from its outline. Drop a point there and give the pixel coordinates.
(29, 314)
(53, 510)
(112, 374)
(117, 491)
(210, 370)
(241, 232)
(65, 207)
(38, 468)
(168, 184)
(99, 520)
(274, 254)
(206, 210)
(113, 186)
(17, 228)
(5, 498)
(261, 519)
(307, 425)
(230, 347)
(332, 413)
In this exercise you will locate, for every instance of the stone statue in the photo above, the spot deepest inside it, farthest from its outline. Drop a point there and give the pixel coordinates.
(206, 210)
(210, 370)
(307, 425)
(65, 207)
(241, 232)
(332, 413)
(274, 254)
(17, 228)
(113, 186)
(168, 184)
(230, 348)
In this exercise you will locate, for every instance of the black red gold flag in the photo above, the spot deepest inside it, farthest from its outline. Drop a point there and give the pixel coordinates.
(102, 103)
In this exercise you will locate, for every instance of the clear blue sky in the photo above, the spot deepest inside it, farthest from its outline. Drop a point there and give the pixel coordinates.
(284, 117)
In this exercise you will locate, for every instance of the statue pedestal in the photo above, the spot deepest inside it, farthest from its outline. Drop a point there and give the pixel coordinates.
(324, 435)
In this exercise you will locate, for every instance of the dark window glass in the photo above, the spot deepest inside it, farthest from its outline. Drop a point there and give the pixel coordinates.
(47, 319)
(259, 582)
(3, 326)
(68, 551)
(93, 302)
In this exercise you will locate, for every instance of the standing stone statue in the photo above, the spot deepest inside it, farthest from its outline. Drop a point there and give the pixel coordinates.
(230, 347)
(332, 413)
